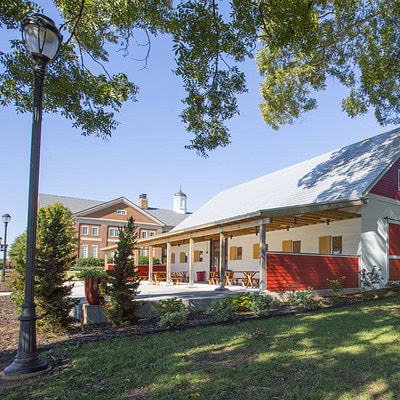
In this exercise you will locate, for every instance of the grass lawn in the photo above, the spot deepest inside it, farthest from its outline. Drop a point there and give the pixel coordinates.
(346, 353)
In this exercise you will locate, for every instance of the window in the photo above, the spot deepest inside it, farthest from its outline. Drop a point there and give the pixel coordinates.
(330, 245)
(291, 246)
(296, 246)
(114, 232)
(235, 253)
(94, 251)
(336, 245)
(95, 231)
(84, 251)
(121, 212)
(198, 256)
(398, 180)
(85, 230)
(152, 234)
(183, 257)
(143, 235)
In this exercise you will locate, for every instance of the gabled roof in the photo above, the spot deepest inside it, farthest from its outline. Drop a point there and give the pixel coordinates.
(89, 211)
(83, 208)
(169, 217)
(343, 175)
(73, 203)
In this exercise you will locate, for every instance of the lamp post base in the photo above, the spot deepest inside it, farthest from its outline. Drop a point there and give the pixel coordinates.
(26, 367)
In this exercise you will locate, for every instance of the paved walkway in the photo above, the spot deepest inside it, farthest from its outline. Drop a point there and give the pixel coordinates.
(183, 291)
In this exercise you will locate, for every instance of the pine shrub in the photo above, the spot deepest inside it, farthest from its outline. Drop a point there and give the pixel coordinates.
(121, 306)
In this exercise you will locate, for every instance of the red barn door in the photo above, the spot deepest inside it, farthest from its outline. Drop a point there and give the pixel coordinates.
(394, 252)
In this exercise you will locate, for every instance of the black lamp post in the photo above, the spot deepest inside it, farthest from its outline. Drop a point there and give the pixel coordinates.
(42, 40)
(6, 220)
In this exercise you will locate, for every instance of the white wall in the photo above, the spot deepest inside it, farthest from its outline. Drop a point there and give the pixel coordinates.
(349, 230)
(198, 266)
(374, 233)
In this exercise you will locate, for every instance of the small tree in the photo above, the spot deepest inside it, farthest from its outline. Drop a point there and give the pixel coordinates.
(17, 256)
(55, 255)
(121, 306)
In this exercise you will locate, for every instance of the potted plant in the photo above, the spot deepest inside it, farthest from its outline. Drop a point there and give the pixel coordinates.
(93, 278)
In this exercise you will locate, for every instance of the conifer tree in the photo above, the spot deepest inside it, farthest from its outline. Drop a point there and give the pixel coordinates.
(55, 254)
(56, 246)
(121, 306)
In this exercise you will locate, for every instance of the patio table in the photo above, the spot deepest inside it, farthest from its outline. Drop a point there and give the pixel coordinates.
(248, 280)
(159, 276)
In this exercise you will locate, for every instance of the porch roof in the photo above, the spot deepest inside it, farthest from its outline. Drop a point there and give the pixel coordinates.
(325, 188)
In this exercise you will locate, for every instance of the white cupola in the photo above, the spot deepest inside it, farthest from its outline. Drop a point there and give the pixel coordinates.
(180, 200)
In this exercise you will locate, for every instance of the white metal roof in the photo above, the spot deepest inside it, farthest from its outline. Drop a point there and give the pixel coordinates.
(345, 174)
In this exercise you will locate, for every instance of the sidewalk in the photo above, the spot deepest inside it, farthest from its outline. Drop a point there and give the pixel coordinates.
(153, 292)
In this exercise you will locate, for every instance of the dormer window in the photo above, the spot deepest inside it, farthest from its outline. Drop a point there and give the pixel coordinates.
(121, 212)
(398, 180)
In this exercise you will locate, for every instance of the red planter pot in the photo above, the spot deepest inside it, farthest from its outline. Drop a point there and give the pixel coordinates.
(92, 291)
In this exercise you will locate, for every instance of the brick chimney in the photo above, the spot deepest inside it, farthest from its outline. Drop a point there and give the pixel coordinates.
(143, 201)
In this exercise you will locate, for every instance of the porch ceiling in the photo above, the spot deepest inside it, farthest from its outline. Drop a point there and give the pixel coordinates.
(249, 226)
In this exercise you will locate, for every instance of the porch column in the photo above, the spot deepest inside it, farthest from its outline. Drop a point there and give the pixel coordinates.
(262, 260)
(191, 260)
(150, 263)
(106, 261)
(222, 252)
(168, 262)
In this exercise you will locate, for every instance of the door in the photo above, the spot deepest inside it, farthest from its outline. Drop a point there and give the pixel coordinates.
(394, 252)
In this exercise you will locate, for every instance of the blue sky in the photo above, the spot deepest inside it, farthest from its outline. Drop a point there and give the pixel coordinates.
(146, 153)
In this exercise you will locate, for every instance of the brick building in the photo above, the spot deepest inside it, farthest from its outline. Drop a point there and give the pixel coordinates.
(98, 222)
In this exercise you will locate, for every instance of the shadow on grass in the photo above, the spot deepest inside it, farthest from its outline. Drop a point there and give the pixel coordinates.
(347, 353)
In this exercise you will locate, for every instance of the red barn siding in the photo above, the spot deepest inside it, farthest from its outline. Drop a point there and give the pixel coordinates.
(394, 239)
(387, 186)
(394, 269)
(298, 271)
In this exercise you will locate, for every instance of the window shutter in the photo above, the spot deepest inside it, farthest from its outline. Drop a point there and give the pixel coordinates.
(196, 256)
(256, 251)
(324, 245)
(287, 246)
(182, 257)
(172, 258)
(232, 253)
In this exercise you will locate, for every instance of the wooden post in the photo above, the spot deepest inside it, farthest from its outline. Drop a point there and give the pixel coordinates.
(222, 257)
(150, 277)
(262, 260)
(169, 262)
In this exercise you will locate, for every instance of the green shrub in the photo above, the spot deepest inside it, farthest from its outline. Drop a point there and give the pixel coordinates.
(144, 260)
(223, 309)
(336, 285)
(263, 305)
(169, 306)
(89, 262)
(371, 279)
(303, 299)
(92, 273)
(242, 301)
(394, 286)
(171, 319)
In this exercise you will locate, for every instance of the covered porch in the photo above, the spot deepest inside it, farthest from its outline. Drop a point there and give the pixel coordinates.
(271, 270)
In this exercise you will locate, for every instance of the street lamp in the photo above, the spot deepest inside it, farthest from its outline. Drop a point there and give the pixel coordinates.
(42, 40)
(6, 220)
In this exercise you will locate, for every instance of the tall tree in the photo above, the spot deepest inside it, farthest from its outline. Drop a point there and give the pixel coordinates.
(121, 306)
(300, 45)
(55, 254)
